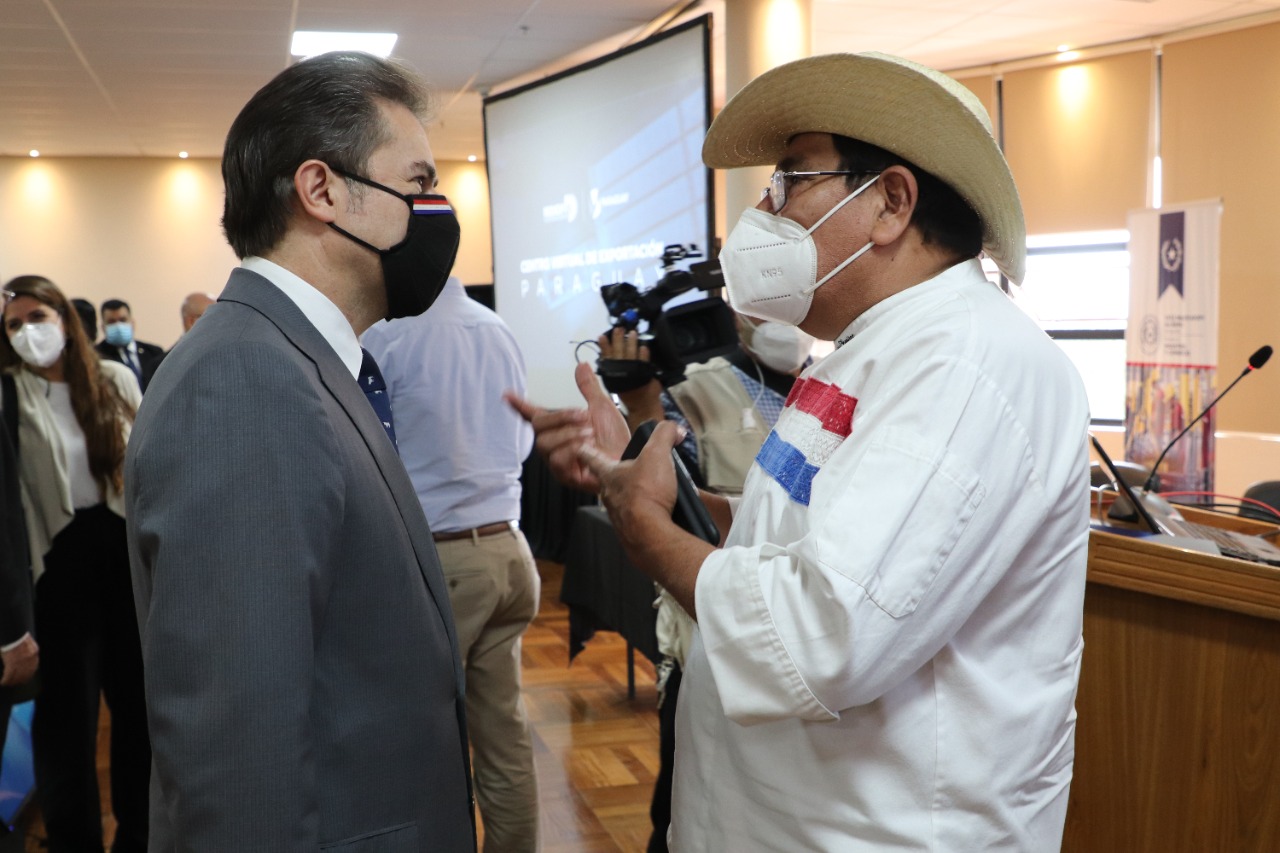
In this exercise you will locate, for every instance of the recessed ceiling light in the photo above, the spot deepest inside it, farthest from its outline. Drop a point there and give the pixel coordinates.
(1063, 48)
(34, 153)
(182, 155)
(471, 158)
(1068, 55)
(308, 43)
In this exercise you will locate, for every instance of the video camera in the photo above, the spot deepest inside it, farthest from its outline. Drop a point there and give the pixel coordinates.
(685, 334)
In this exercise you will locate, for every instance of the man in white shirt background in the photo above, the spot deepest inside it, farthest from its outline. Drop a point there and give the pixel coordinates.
(446, 371)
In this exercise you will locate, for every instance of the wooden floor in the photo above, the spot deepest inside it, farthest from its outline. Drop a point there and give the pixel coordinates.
(596, 750)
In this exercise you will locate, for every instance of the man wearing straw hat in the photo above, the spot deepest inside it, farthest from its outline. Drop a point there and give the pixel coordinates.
(889, 637)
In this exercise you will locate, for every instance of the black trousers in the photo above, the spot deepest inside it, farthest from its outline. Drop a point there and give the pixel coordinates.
(660, 806)
(88, 636)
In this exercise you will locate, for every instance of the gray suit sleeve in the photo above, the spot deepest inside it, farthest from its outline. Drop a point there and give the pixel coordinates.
(236, 501)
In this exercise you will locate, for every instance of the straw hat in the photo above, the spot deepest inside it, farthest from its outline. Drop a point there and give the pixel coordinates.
(917, 113)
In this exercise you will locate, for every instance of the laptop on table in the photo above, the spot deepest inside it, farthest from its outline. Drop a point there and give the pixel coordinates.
(1161, 518)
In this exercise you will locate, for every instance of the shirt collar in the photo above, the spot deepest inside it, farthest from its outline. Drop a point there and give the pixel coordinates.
(965, 273)
(328, 319)
(453, 289)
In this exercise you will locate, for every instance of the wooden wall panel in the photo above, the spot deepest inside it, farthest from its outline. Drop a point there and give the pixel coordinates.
(1078, 139)
(1221, 139)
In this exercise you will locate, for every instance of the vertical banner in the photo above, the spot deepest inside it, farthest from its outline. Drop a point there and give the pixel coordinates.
(1172, 341)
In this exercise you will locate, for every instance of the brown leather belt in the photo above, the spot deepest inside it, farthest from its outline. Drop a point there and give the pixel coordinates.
(477, 532)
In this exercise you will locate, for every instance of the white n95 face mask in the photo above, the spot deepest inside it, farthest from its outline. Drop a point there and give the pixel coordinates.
(39, 344)
(770, 264)
(778, 346)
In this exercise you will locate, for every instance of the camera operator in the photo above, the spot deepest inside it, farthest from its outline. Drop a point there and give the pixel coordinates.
(727, 406)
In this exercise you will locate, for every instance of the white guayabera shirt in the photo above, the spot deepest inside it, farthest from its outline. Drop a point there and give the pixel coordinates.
(889, 644)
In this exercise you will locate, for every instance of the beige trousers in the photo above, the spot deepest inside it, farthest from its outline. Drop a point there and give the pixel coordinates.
(493, 587)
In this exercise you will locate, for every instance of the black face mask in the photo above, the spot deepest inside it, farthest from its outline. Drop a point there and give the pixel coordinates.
(415, 270)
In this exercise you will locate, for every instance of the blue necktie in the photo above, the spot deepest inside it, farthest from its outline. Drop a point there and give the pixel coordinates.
(131, 361)
(376, 390)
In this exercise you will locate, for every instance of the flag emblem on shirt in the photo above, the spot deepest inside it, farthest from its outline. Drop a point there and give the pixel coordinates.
(816, 420)
(425, 204)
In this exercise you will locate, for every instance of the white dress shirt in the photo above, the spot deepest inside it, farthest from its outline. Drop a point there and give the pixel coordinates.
(461, 443)
(328, 319)
(129, 355)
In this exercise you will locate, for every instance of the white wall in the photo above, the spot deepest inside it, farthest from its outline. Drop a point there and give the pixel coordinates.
(142, 230)
(146, 230)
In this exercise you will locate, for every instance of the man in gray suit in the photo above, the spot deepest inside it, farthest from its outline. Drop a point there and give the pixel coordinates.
(302, 674)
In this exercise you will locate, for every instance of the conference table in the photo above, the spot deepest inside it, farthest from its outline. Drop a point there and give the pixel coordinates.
(1178, 730)
(1178, 734)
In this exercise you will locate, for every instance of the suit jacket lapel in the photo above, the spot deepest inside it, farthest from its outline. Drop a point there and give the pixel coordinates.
(258, 293)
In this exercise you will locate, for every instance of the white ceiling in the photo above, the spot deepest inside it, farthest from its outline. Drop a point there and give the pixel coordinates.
(153, 77)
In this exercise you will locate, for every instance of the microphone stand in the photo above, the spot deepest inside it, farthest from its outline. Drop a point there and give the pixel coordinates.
(1146, 487)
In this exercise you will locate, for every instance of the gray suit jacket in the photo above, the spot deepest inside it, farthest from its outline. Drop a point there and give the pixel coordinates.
(303, 684)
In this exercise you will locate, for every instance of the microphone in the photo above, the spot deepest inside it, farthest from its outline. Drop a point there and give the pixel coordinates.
(1256, 361)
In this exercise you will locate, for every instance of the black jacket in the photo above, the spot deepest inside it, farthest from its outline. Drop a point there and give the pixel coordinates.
(15, 567)
(149, 357)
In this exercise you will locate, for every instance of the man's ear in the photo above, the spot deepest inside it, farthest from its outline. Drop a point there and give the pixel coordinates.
(321, 192)
(900, 192)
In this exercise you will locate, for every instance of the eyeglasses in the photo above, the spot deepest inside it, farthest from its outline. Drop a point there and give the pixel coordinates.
(780, 180)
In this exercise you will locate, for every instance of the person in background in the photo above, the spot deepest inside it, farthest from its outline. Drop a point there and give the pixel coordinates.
(193, 307)
(446, 368)
(88, 318)
(304, 687)
(888, 639)
(74, 416)
(19, 653)
(726, 406)
(119, 343)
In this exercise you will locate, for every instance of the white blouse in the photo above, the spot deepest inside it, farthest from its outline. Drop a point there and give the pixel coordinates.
(84, 489)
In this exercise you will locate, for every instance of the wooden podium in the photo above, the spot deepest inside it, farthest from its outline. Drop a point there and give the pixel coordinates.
(1178, 737)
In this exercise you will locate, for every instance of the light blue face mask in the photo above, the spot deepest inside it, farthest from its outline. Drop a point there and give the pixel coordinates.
(119, 334)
